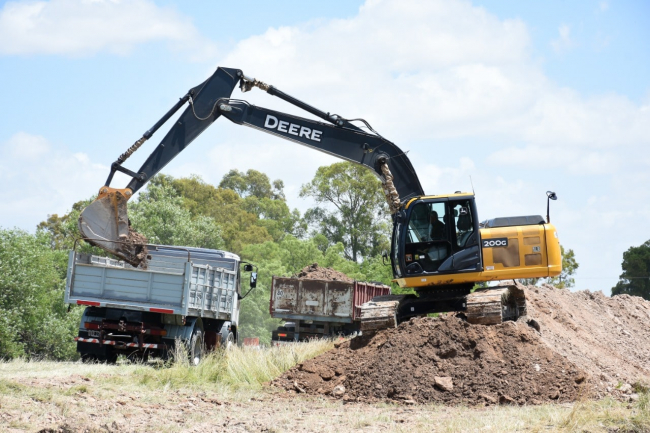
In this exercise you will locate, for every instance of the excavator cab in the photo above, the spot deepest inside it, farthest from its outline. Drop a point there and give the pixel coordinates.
(440, 236)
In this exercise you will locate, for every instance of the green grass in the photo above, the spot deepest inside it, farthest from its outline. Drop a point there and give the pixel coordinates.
(236, 368)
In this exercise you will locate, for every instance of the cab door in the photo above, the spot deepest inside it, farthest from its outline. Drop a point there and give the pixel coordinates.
(441, 236)
(465, 239)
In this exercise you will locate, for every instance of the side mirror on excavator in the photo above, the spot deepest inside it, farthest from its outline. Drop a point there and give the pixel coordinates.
(550, 196)
(384, 258)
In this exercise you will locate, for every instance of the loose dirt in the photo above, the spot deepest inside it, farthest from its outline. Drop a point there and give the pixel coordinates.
(571, 345)
(138, 243)
(315, 272)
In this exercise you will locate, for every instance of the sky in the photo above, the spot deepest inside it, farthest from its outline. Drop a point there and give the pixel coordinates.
(508, 98)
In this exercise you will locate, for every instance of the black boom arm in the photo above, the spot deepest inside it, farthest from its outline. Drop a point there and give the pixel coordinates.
(211, 99)
(349, 143)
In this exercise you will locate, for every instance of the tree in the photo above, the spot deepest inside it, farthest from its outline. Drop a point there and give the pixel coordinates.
(33, 319)
(160, 216)
(353, 210)
(244, 221)
(569, 268)
(253, 183)
(635, 279)
(565, 279)
(63, 232)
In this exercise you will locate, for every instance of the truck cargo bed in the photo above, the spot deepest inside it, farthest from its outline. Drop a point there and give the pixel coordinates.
(184, 282)
(321, 300)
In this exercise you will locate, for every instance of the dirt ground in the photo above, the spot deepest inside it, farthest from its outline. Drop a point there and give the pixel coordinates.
(87, 403)
(578, 367)
(70, 397)
(580, 344)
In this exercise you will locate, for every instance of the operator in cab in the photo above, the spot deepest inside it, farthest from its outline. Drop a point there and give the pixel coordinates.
(437, 226)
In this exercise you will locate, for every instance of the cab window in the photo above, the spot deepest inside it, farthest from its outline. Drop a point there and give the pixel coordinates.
(463, 222)
(427, 238)
(427, 223)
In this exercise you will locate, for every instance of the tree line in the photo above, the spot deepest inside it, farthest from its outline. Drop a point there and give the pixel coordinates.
(246, 213)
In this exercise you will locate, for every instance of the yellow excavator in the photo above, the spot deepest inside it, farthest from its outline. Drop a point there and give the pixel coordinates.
(439, 247)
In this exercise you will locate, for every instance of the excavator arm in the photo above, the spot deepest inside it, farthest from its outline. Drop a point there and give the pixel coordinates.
(104, 222)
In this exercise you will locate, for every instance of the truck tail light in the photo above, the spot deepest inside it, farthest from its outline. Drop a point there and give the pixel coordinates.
(282, 335)
(161, 310)
(91, 303)
(161, 332)
(91, 325)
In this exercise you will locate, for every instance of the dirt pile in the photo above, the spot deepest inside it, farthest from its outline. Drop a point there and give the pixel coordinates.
(443, 360)
(607, 337)
(315, 272)
(587, 344)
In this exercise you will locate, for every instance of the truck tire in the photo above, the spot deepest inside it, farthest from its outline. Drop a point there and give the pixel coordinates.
(196, 347)
(229, 342)
(109, 358)
(88, 358)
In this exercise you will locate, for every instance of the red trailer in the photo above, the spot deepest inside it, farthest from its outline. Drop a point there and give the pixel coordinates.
(319, 308)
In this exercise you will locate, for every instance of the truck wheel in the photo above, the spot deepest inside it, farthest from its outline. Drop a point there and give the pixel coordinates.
(229, 343)
(88, 358)
(196, 347)
(109, 358)
(137, 357)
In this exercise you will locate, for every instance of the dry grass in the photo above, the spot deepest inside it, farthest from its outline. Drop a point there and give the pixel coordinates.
(226, 393)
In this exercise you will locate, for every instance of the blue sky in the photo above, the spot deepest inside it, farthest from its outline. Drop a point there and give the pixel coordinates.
(521, 96)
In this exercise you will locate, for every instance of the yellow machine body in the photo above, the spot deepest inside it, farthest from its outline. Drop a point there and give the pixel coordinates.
(532, 251)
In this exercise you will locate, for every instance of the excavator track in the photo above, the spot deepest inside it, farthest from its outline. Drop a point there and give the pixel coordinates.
(380, 313)
(494, 305)
(489, 306)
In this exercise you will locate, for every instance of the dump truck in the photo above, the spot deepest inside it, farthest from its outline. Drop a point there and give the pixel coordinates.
(319, 308)
(184, 295)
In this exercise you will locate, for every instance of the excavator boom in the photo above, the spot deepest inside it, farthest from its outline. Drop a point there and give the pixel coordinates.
(104, 222)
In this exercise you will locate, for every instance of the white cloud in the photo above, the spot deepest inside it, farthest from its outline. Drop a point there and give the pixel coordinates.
(459, 89)
(564, 42)
(27, 147)
(83, 27)
(40, 180)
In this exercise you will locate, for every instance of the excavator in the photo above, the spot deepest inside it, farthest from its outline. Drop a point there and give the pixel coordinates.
(438, 246)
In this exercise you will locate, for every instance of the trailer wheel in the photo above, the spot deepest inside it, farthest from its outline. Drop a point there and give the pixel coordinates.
(196, 347)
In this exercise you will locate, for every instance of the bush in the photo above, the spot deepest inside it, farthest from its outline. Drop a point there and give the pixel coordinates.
(33, 319)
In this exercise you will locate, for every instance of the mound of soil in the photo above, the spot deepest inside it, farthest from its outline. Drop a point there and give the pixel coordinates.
(444, 360)
(315, 272)
(577, 344)
(608, 337)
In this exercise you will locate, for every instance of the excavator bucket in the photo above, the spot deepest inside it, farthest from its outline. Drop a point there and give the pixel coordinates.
(105, 224)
